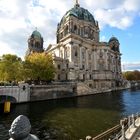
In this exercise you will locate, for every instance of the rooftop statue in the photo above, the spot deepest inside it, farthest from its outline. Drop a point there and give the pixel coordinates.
(20, 129)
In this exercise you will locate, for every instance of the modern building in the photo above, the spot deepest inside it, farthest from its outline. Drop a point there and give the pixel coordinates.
(79, 55)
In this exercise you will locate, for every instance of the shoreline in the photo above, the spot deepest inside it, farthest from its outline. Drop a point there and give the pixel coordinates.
(62, 94)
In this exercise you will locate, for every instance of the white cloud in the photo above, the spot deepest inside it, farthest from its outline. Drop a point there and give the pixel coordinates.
(129, 66)
(20, 17)
(114, 17)
(6, 49)
(103, 38)
(132, 5)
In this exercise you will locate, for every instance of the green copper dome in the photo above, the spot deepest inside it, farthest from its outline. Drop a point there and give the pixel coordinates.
(113, 39)
(79, 13)
(36, 34)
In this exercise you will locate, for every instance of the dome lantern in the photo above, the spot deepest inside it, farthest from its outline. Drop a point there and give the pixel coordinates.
(77, 3)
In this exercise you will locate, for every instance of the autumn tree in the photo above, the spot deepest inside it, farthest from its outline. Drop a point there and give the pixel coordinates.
(132, 75)
(39, 66)
(10, 68)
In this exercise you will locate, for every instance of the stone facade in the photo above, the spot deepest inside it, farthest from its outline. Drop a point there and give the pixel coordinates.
(80, 56)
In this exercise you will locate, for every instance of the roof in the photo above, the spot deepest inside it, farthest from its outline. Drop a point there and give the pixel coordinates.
(36, 34)
(113, 39)
(80, 13)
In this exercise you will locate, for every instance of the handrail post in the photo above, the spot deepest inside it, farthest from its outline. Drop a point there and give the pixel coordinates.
(88, 137)
(129, 122)
(137, 117)
(123, 129)
(133, 121)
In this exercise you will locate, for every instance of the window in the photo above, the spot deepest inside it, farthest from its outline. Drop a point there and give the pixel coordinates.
(76, 54)
(86, 31)
(90, 85)
(83, 55)
(75, 29)
(66, 30)
(83, 76)
(37, 44)
(67, 66)
(61, 54)
(66, 53)
(81, 31)
(89, 57)
(66, 77)
(90, 76)
(101, 66)
(58, 76)
(58, 66)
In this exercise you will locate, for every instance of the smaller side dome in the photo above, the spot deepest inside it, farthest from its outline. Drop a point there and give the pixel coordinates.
(114, 44)
(35, 43)
(113, 39)
(36, 34)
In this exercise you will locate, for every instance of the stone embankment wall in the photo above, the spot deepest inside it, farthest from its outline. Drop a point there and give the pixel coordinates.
(45, 92)
(27, 93)
(19, 93)
(83, 89)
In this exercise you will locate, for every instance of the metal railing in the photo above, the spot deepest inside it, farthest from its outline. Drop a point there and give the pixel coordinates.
(118, 131)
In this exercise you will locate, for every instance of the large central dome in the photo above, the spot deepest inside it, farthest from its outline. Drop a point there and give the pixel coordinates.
(80, 13)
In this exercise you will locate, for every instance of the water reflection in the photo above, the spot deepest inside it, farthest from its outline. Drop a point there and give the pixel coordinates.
(131, 100)
(75, 117)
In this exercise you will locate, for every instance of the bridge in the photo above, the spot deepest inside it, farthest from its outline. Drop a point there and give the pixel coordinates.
(26, 93)
(15, 94)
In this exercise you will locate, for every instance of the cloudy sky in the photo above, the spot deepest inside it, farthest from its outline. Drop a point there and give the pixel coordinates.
(120, 18)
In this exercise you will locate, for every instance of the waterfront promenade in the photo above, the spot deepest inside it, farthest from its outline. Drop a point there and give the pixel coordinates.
(128, 129)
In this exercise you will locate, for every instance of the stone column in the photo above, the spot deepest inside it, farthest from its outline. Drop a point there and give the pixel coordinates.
(81, 59)
(87, 66)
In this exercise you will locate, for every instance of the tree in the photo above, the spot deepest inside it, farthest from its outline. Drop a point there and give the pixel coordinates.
(39, 66)
(10, 68)
(132, 75)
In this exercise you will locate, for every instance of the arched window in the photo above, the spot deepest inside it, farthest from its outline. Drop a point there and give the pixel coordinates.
(81, 31)
(86, 32)
(37, 44)
(61, 35)
(58, 77)
(75, 51)
(75, 29)
(61, 54)
(66, 30)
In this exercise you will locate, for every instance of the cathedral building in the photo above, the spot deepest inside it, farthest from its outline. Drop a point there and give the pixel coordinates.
(79, 55)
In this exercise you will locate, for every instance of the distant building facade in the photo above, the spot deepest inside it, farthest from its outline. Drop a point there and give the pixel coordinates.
(79, 55)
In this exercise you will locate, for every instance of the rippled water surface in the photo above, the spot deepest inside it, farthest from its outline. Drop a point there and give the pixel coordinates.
(74, 118)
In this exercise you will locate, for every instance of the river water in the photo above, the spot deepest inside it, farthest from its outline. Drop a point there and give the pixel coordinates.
(74, 118)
